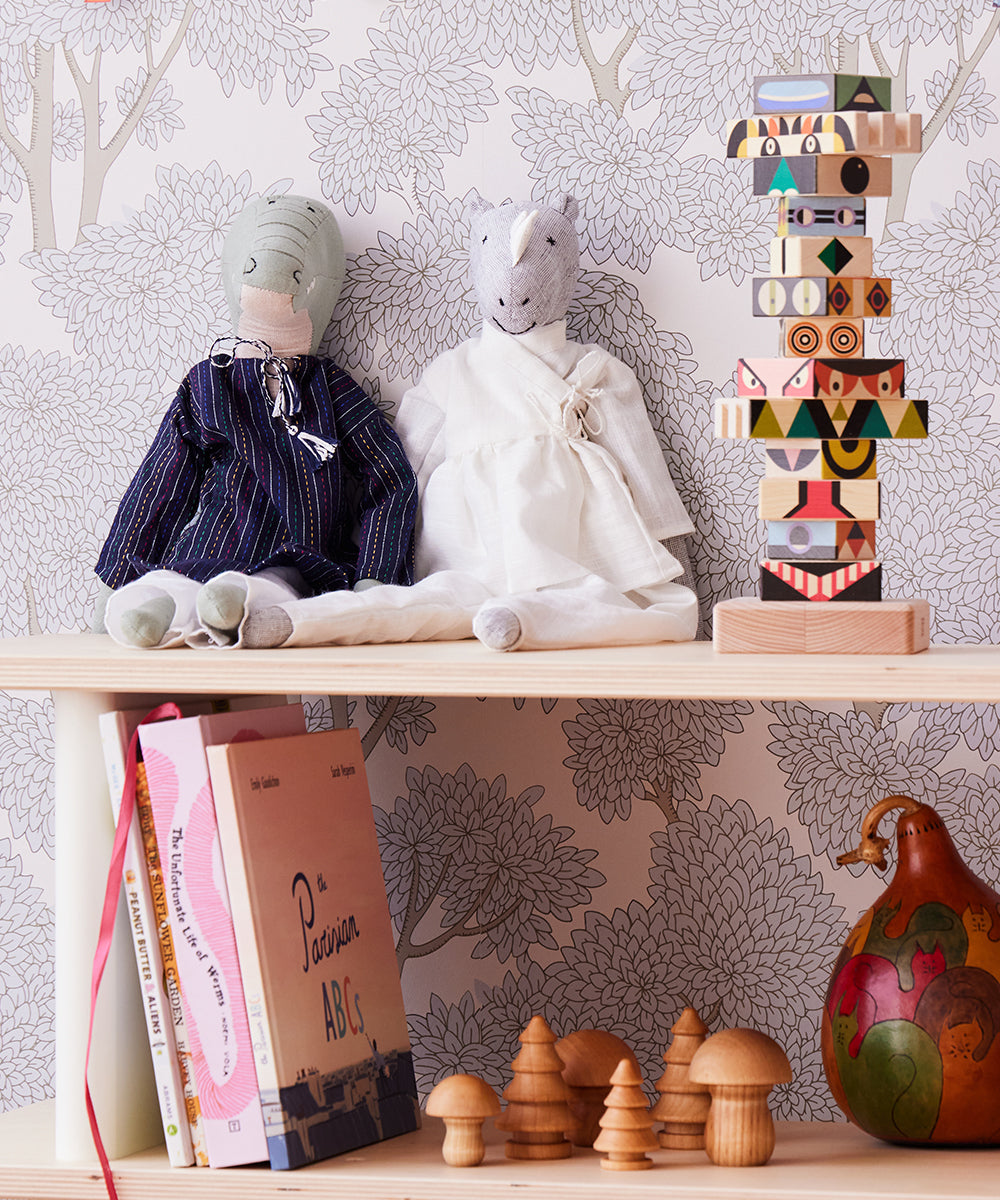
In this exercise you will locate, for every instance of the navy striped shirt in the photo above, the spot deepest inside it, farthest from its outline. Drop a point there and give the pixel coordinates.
(225, 486)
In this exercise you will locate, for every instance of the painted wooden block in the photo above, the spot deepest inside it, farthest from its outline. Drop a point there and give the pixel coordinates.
(853, 175)
(811, 216)
(822, 175)
(824, 133)
(732, 417)
(819, 582)
(817, 297)
(845, 541)
(809, 458)
(805, 337)
(818, 499)
(849, 459)
(822, 93)
(748, 626)
(822, 256)
(836, 420)
(859, 297)
(823, 378)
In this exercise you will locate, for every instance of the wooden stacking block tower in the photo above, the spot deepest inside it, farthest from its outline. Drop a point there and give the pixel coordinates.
(821, 144)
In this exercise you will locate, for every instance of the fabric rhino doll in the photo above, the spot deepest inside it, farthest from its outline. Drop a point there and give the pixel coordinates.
(272, 475)
(544, 496)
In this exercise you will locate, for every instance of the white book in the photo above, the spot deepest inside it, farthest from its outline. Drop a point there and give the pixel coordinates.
(161, 1013)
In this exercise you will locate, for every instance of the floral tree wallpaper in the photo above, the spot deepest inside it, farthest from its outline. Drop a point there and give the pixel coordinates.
(603, 862)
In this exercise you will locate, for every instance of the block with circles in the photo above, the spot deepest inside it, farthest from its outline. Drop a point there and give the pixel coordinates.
(821, 297)
(824, 133)
(807, 337)
(822, 175)
(813, 216)
(845, 541)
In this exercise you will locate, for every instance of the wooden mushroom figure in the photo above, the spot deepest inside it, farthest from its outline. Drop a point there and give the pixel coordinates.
(463, 1102)
(589, 1058)
(740, 1066)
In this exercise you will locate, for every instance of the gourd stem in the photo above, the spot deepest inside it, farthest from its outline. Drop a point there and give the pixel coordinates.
(872, 847)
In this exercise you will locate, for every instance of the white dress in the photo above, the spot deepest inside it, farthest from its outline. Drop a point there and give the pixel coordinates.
(542, 488)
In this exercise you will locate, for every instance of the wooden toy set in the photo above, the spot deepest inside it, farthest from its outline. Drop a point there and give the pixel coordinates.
(821, 145)
(585, 1089)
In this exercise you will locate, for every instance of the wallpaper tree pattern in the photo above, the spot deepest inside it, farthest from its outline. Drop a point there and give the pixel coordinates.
(603, 862)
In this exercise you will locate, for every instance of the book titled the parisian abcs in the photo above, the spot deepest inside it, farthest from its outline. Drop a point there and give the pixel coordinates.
(315, 942)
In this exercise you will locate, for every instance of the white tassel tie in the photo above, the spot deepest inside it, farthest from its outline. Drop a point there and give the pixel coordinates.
(278, 385)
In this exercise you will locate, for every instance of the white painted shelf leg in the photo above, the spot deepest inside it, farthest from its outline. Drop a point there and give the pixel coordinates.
(121, 1076)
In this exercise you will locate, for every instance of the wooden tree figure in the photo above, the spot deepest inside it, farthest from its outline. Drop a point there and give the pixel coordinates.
(537, 1115)
(627, 1125)
(683, 1105)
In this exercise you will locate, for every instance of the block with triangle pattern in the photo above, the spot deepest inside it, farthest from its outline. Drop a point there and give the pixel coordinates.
(822, 92)
(823, 175)
(818, 499)
(807, 458)
(832, 419)
(847, 541)
(820, 582)
(834, 257)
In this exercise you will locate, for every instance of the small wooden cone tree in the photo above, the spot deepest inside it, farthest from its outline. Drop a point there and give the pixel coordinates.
(683, 1105)
(537, 1115)
(627, 1125)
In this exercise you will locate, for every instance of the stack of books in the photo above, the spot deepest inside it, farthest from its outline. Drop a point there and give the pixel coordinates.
(262, 936)
(822, 145)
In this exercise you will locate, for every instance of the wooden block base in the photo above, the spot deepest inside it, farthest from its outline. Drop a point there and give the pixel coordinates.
(531, 1151)
(748, 626)
(622, 1163)
(681, 1141)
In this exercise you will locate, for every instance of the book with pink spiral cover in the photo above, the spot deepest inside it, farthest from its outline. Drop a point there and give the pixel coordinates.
(201, 922)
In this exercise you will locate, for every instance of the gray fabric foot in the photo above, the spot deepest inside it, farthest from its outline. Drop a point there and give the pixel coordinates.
(221, 606)
(497, 627)
(146, 625)
(266, 628)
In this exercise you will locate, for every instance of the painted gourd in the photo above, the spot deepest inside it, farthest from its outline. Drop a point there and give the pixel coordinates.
(911, 1023)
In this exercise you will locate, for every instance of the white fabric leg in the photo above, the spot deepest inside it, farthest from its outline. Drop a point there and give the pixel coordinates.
(264, 589)
(591, 612)
(438, 608)
(148, 587)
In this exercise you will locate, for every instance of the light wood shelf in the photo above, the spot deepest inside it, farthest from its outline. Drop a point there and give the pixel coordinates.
(45, 1150)
(90, 662)
(825, 1161)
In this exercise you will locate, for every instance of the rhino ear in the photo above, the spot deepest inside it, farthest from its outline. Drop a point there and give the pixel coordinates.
(567, 205)
(477, 205)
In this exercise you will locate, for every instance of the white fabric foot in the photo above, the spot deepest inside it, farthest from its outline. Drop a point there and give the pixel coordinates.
(497, 627)
(266, 628)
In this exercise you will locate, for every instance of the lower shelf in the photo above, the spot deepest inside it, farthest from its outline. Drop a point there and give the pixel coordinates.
(811, 1162)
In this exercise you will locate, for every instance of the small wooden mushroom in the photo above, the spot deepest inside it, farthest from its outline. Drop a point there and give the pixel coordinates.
(589, 1057)
(463, 1102)
(740, 1066)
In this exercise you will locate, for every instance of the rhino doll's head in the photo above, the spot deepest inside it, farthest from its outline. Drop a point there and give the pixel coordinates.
(524, 261)
(282, 270)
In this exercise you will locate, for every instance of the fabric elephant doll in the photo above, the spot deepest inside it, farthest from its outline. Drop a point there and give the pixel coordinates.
(272, 475)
